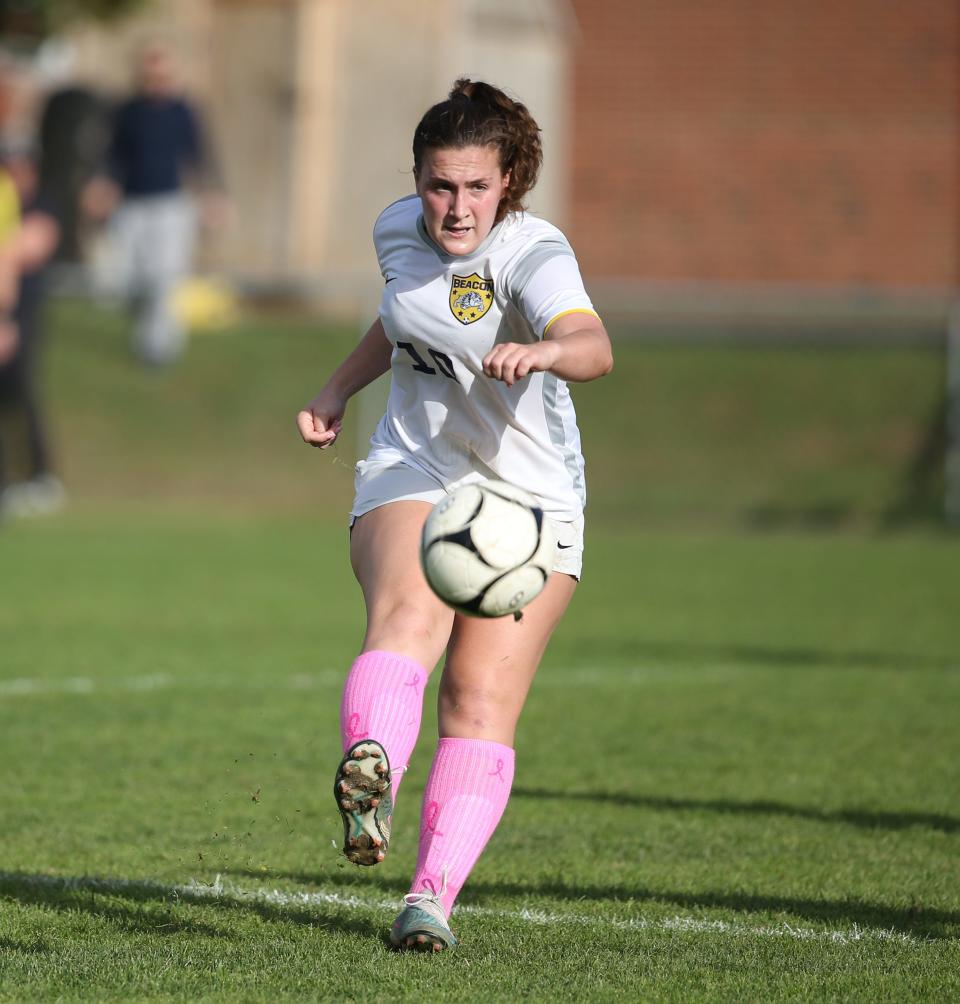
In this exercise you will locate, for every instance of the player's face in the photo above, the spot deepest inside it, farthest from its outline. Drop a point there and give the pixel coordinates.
(460, 190)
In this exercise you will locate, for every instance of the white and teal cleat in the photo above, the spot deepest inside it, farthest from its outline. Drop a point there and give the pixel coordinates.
(362, 790)
(422, 925)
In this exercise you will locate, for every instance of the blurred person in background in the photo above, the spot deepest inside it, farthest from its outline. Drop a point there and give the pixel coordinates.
(33, 233)
(73, 134)
(9, 231)
(9, 272)
(159, 182)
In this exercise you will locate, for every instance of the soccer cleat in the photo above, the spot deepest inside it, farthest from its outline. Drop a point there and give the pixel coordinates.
(41, 496)
(363, 796)
(422, 925)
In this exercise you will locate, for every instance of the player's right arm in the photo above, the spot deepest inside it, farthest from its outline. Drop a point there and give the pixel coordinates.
(319, 422)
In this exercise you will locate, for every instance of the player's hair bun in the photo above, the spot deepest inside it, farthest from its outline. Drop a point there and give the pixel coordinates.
(478, 114)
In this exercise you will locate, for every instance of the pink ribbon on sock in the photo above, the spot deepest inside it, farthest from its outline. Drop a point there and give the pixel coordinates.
(498, 772)
(353, 727)
(430, 818)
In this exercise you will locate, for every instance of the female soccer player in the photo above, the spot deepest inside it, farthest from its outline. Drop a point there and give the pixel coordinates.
(483, 321)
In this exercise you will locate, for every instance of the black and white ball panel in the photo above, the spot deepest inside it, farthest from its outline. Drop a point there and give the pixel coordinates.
(484, 550)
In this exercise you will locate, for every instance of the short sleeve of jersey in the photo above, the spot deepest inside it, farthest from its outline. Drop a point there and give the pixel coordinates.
(551, 287)
(391, 234)
(556, 288)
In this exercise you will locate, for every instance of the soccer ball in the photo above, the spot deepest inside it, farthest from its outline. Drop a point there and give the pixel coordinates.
(486, 549)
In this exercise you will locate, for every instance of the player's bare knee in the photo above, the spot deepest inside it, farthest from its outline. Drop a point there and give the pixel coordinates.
(405, 618)
(474, 707)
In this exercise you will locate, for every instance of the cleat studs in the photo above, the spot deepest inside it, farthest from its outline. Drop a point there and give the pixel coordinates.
(374, 802)
(344, 785)
(380, 856)
(351, 768)
(380, 768)
(375, 754)
(346, 803)
(381, 785)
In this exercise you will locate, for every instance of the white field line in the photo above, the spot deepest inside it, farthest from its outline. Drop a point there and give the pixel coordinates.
(219, 891)
(548, 677)
(84, 685)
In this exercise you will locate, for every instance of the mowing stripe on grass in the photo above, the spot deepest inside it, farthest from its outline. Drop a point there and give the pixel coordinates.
(196, 892)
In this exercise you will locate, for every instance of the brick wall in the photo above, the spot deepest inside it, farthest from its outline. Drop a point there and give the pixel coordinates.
(742, 140)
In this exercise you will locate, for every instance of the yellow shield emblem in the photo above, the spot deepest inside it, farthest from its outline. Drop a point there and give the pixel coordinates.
(470, 297)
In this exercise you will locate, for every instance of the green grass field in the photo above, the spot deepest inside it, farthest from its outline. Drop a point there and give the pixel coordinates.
(781, 820)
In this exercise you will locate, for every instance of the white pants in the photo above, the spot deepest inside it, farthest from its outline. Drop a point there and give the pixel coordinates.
(154, 242)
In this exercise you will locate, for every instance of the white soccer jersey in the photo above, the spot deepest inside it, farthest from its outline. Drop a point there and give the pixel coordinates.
(443, 314)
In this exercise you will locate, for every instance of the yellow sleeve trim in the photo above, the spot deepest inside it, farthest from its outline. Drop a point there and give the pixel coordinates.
(563, 313)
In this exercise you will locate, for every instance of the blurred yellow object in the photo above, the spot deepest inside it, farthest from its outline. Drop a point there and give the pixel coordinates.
(9, 207)
(205, 304)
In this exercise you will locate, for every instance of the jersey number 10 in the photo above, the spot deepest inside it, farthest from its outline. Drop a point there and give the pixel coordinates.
(443, 361)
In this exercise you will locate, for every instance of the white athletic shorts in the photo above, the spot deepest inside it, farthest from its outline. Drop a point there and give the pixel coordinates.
(378, 482)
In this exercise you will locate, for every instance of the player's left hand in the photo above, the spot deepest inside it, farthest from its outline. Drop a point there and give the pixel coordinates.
(511, 361)
(321, 421)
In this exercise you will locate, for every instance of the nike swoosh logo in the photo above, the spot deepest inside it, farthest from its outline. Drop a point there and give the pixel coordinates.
(563, 547)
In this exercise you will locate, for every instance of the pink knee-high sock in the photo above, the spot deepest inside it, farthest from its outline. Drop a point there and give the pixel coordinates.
(466, 793)
(383, 700)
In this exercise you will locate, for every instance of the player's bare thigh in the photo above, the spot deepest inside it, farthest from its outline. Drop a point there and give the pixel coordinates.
(491, 664)
(403, 615)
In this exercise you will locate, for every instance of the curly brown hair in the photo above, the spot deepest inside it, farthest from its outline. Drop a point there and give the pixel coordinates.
(479, 114)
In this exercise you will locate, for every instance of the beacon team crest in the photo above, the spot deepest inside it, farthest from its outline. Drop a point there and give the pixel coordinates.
(470, 297)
